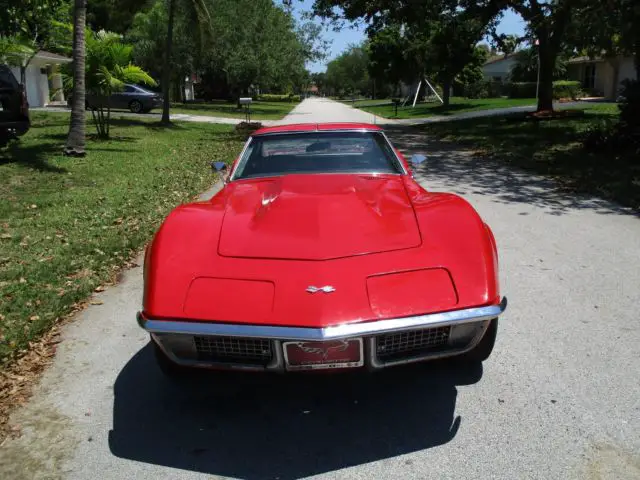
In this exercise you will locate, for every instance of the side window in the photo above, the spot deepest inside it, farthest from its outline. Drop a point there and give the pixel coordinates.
(7, 80)
(129, 89)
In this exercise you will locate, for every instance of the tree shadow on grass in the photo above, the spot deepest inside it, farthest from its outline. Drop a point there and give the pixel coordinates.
(32, 156)
(254, 426)
(551, 171)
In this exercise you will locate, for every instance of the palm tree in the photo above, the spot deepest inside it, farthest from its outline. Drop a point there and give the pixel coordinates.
(109, 67)
(76, 136)
(16, 51)
(201, 14)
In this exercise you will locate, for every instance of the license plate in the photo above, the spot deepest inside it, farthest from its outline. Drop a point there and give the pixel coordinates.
(346, 353)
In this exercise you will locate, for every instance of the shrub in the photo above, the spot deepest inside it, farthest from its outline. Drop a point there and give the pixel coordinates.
(521, 89)
(630, 105)
(476, 90)
(484, 89)
(272, 97)
(566, 89)
(625, 135)
(561, 89)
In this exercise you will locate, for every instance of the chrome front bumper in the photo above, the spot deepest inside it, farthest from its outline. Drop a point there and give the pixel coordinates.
(165, 331)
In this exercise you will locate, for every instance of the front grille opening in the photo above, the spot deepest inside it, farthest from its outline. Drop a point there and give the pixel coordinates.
(413, 343)
(239, 350)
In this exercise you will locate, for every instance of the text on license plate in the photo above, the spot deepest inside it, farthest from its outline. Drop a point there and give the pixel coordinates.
(347, 353)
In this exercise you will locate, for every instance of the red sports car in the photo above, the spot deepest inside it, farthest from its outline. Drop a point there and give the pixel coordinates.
(321, 252)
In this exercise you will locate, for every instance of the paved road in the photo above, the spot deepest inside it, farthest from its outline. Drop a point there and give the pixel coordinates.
(559, 399)
(322, 110)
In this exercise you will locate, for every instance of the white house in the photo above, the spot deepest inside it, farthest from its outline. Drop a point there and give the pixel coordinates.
(43, 79)
(498, 68)
(602, 76)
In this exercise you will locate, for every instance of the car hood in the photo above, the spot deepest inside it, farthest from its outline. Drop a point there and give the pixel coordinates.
(317, 217)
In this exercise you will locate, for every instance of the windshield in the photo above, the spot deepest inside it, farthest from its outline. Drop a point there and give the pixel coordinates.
(317, 152)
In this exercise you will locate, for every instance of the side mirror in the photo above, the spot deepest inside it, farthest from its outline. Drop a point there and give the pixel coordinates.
(417, 159)
(218, 166)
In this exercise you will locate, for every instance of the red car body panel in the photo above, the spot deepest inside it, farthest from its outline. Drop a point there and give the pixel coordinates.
(388, 247)
(316, 127)
(335, 216)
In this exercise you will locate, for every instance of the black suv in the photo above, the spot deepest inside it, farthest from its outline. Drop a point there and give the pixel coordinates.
(14, 110)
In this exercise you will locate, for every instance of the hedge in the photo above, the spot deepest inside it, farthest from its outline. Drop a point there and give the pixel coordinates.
(272, 97)
(522, 90)
(566, 89)
(561, 89)
(482, 89)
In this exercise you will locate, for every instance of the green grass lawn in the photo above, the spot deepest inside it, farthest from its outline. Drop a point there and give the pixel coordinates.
(457, 105)
(221, 108)
(68, 224)
(553, 147)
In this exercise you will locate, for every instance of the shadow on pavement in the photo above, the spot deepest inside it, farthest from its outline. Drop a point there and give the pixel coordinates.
(254, 426)
(459, 171)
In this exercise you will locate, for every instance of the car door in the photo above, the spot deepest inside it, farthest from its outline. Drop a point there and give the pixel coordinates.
(122, 98)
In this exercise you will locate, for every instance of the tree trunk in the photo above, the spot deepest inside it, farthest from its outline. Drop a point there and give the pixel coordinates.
(76, 137)
(615, 66)
(547, 59)
(166, 65)
(446, 92)
(637, 58)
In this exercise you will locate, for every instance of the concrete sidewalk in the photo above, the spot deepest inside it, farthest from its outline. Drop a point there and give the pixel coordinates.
(178, 117)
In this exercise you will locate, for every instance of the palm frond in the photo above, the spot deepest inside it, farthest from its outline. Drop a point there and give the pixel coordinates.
(14, 50)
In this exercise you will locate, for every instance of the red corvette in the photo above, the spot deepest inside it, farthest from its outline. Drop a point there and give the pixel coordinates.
(321, 252)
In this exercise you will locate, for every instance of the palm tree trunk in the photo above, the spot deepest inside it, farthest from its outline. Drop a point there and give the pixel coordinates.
(166, 74)
(76, 137)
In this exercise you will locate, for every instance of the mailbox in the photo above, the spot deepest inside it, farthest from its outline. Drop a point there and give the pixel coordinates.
(245, 100)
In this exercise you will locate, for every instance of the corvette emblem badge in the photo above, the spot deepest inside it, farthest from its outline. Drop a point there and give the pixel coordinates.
(325, 347)
(325, 289)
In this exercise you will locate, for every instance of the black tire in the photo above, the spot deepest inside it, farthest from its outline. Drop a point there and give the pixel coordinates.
(136, 106)
(482, 350)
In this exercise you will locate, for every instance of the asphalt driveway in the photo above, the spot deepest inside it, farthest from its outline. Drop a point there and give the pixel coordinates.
(559, 399)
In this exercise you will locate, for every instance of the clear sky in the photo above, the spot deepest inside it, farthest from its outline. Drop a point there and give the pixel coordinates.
(510, 23)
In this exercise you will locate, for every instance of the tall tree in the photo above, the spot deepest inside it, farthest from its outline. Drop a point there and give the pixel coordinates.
(547, 24)
(348, 73)
(113, 15)
(197, 9)
(30, 24)
(525, 68)
(441, 34)
(109, 67)
(76, 137)
(610, 29)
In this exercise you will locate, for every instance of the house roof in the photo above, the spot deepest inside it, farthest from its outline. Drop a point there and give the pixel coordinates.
(497, 58)
(53, 57)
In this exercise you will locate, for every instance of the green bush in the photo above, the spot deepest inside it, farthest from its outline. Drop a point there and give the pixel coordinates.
(521, 89)
(566, 89)
(272, 97)
(624, 135)
(482, 89)
(629, 105)
(476, 90)
(561, 89)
